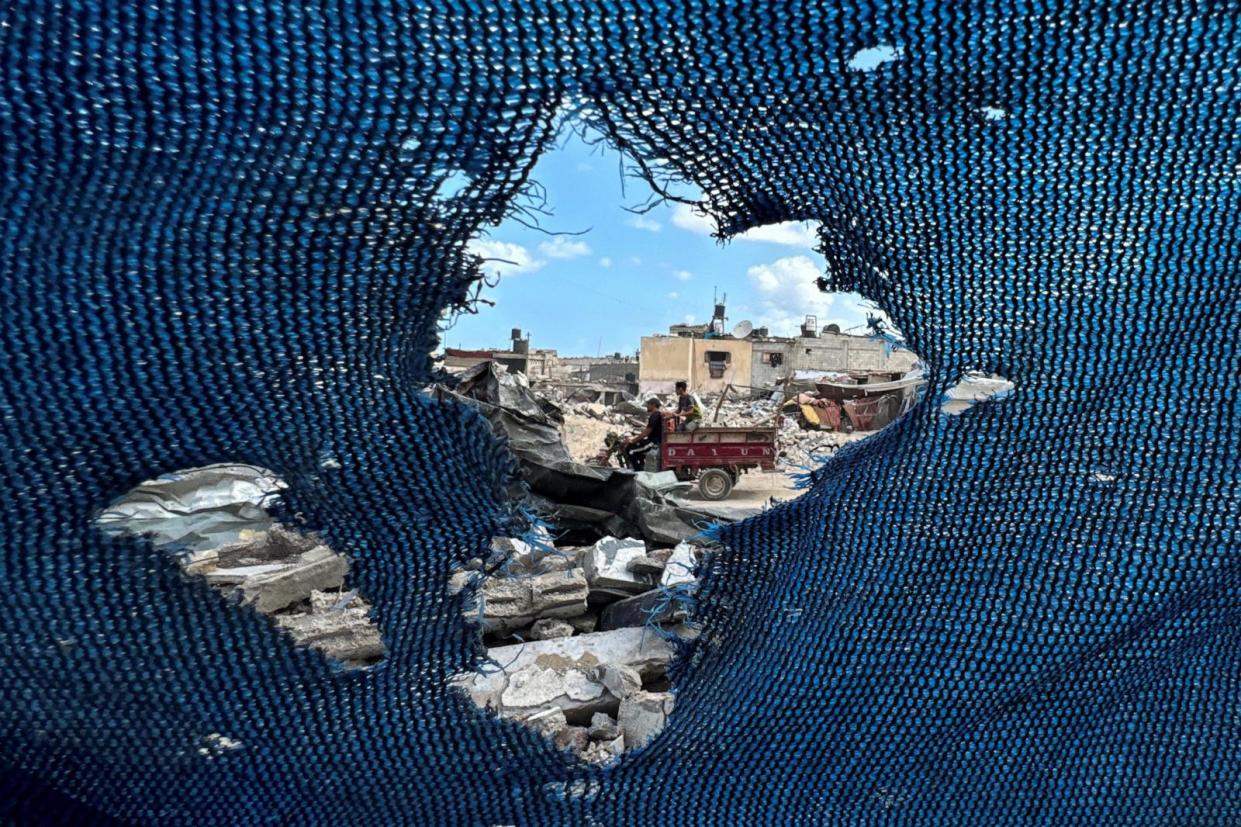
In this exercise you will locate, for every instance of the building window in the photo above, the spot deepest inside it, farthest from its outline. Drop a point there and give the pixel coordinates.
(775, 359)
(717, 362)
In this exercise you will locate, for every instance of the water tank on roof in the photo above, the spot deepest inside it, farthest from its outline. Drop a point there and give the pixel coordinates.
(831, 328)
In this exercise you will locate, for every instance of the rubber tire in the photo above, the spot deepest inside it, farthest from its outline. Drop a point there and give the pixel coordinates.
(715, 484)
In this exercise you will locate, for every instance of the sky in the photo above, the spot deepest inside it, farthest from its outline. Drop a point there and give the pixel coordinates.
(627, 275)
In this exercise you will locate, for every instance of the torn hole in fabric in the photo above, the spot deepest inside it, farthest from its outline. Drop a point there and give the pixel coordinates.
(579, 618)
(215, 521)
(974, 388)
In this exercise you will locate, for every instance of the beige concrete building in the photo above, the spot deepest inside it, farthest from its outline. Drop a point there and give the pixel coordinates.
(776, 358)
(711, 364)
(707, 364)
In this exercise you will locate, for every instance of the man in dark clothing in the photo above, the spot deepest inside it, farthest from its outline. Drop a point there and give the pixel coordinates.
(646, 440)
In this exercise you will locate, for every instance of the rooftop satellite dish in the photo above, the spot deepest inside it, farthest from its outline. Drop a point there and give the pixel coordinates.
(742, 330)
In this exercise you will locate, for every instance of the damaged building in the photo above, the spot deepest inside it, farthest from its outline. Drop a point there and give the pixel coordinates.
(710, 357)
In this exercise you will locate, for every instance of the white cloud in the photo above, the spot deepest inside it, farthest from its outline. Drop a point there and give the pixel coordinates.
(563, 247)
(511, 258)
(688, 218)
(641, 222)
(689, 318)
(683, 275)
(635, 261)
(605, 262)
(674, 295)
(787, 292)
(790, 233)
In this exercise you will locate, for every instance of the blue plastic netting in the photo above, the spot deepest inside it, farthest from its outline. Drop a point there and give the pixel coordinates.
(227, 236)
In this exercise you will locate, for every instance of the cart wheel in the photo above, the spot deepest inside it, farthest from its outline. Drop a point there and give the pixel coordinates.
(715, 484)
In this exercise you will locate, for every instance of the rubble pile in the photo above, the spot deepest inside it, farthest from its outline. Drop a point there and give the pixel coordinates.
(299, 582)
(585, 502)
(586, 426)
(213, 521)
(575, 638)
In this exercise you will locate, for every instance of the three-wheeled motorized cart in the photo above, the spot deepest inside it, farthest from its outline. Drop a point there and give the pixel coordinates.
(717, 457)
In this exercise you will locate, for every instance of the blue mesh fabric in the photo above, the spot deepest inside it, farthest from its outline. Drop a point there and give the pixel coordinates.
(227, 236)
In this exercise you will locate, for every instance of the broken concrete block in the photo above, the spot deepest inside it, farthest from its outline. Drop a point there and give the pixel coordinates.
(321, 602)
(584, 623)
(562, 672)
(287, 542)
(645, 565)
(540, 686)
(655, 606)
(602, 727)
(320, 568)
(239, 574)
(600, 752)
(606, 565)
(558, 593)
(505, 602)
(547, 722)
(550, 627)
(276, 543)
(572, 738)
(619, 680)
(680, 567)
(642, 716)
(554, 562)
(512, 602)
(247, 552)
(346, 635)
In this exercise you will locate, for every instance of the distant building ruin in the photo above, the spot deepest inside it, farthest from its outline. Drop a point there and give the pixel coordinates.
(709, 360)
(535, 363)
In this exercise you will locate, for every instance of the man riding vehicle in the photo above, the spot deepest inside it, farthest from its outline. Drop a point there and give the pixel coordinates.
(648, 439)
(689, 412)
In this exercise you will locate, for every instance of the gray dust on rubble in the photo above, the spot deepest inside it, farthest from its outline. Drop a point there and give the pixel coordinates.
(575, 638)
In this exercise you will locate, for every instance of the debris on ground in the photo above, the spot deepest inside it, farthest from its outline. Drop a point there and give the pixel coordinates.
(577, 628)
(588, 669)
(585, 501)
